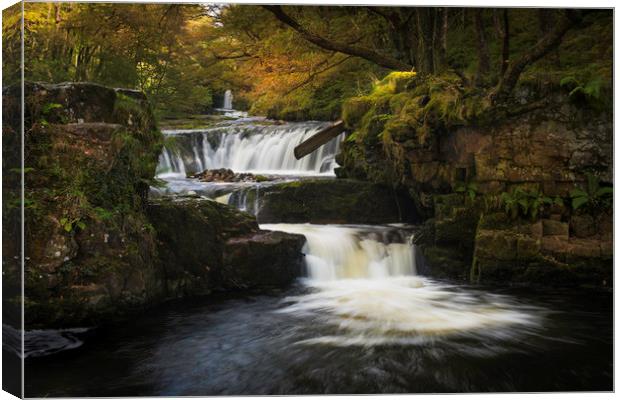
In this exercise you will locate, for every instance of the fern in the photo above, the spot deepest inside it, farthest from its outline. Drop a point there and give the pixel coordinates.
(594, 196)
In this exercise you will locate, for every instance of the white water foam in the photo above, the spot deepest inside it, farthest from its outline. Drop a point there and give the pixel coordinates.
(363, 283)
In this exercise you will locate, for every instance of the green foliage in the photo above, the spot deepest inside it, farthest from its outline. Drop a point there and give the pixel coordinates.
(525, 203)
(594, 196)
(470, 189)
(71, 224)
(47, 108)
(589, 91)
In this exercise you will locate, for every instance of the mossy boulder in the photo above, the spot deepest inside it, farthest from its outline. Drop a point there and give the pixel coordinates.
(206, 246)
(333, 201)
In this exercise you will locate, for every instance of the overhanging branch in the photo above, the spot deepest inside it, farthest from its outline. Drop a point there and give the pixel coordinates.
(362, 52)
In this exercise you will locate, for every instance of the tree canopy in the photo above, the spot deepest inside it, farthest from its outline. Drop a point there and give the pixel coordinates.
(301, 61)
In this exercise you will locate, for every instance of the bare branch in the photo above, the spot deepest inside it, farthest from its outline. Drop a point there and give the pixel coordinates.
(365, 53)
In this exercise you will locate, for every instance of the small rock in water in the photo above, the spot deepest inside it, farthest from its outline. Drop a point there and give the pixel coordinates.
(228, 175)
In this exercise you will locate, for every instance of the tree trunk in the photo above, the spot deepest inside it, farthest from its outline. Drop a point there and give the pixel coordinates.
(425, 40)
(505, 42)
(549, 42)
(441, 38)
(502, 32)
(314, 142)
(482, 48)
(57, 8)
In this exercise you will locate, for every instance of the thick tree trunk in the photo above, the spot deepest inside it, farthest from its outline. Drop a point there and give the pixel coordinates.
(57, 9)
(482, 48)
(425, 40)
(441, 38)
(502, 31)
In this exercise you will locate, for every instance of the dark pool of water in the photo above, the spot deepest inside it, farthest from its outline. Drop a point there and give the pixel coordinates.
(231, 346)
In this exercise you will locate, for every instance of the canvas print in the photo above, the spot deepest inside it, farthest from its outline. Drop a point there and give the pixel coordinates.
(227, 199)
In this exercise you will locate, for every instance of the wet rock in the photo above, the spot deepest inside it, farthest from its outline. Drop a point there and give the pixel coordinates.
(542, 149)
(191, 235)
(554, 228)
(333, 201)
(528, 248)
(498, 245)
(206, 246)
(583, 226)
(262, 259)
(227, 175)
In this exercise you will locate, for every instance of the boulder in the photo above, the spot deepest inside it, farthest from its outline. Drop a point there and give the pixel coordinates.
(227, 175)
(206, 246)
(262, 259)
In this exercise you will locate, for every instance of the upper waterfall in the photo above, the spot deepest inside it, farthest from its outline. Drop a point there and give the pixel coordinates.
(265, 149)
(228, 99)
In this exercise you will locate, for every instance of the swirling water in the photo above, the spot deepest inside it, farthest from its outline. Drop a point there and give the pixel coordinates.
(360, 322)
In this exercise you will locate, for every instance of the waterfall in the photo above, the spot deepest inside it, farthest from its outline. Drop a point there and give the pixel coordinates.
(261, 149)
(340, 252)
(170, 163)
(228, 99)
(364, 285)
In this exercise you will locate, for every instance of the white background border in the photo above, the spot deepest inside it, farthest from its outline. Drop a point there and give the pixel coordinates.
(459, 3)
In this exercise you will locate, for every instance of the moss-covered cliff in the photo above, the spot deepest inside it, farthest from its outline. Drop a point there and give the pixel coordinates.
(544, 158)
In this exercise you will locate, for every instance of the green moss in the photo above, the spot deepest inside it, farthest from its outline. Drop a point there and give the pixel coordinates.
(354, 110)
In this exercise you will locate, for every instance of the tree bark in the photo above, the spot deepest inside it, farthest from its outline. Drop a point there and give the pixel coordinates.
(367, 54)
(400, 32)
(57, 9)
(549, 42)
(441, 39)
(314, 142)
(483, 49)
(425, 40)
(502, 31)
(505, 42)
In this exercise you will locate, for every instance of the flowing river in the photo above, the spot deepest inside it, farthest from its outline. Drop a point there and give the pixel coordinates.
(364, 319)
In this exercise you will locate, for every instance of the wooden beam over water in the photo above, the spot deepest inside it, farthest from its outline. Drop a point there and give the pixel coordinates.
(308, 146)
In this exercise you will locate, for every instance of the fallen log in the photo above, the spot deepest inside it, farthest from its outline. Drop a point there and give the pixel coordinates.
(308, 146)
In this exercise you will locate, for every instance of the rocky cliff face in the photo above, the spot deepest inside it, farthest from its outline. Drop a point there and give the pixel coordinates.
(90, 153)
(465, 163)
(91, 250)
